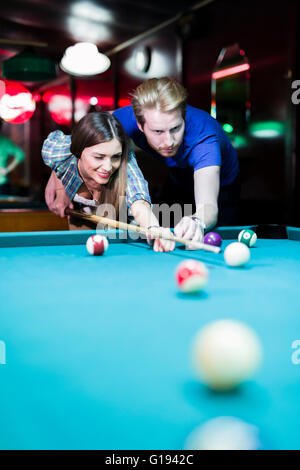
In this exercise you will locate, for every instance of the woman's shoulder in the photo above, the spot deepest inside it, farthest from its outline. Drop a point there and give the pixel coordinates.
(57, 144)
(59, 137)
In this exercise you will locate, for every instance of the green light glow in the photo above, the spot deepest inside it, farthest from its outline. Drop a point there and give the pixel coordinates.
(266, 129)
(227, 128)
(238, 141)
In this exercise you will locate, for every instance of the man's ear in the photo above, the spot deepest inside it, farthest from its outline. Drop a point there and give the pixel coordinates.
(139, 126)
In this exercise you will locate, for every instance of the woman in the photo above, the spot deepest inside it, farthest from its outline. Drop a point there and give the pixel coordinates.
(99, 172)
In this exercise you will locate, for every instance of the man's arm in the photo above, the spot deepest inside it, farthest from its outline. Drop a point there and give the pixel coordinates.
(206, 191)
(56, 197)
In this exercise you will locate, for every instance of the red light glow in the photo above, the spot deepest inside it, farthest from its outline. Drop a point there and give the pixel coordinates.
(124, 102)
(230, 71)
(16, 103)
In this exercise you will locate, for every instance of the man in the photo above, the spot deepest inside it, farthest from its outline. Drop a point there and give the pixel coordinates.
(189, 141)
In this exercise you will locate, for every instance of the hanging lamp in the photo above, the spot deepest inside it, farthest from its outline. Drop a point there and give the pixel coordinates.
(84, 60)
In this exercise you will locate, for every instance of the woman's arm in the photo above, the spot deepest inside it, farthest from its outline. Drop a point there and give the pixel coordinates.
(139, 203)
(64, 180)
(144, 217)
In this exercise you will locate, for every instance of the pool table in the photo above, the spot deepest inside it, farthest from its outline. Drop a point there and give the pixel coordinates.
(95, 351)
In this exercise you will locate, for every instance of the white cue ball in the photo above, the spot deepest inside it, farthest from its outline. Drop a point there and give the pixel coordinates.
(226, 353)
(236, 254)
(224, 433)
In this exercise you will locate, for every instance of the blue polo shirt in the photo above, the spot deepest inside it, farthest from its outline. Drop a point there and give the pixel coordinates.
(204, 144)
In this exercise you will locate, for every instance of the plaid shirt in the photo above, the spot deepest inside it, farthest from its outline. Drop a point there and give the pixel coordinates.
(56, 154)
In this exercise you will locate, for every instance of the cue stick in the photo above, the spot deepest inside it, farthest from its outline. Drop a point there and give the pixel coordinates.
(135, 228)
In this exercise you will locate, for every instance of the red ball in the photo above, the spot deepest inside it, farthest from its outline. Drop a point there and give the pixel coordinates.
(213, 238)
(191, 276)
(96, 245)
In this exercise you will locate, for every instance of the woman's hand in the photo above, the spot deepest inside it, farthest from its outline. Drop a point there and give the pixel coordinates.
(159, 244)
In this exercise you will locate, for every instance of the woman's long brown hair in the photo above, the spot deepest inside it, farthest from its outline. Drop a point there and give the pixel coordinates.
(96, 128)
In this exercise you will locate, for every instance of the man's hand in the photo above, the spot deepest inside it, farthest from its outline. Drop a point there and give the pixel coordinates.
(159, 244)
(56, 198)
(189, 229)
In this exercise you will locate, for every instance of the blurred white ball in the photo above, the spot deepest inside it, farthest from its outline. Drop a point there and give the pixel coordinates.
(225, 353)
(224, 433)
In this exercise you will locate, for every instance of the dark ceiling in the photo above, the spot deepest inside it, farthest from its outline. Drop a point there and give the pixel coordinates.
(60, 23)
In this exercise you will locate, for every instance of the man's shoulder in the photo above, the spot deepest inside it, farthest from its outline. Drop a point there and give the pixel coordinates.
(124, 111)
(127, 119)
(200, 122)
(199, 114)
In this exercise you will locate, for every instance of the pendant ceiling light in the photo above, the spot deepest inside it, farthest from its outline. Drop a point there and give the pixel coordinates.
(28, 66)
(84, 60)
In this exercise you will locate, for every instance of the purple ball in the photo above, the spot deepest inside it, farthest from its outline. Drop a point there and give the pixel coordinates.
(212, 238)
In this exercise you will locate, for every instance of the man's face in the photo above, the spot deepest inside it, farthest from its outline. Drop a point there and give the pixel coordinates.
(163, 131)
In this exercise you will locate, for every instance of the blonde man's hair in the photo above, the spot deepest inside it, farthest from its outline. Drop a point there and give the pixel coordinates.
(164, 94)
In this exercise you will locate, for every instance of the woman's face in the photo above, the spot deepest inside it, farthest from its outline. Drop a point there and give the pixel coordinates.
(100, 161)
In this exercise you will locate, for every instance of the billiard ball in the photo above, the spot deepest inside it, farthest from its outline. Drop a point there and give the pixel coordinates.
(225, 353)
(213, 238)
(191, 276)
(224, 433)
(236, 254)
(97, 244)
(248, 237)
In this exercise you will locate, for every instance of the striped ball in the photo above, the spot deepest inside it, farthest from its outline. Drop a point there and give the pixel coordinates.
(248, 237)
(96, 245)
